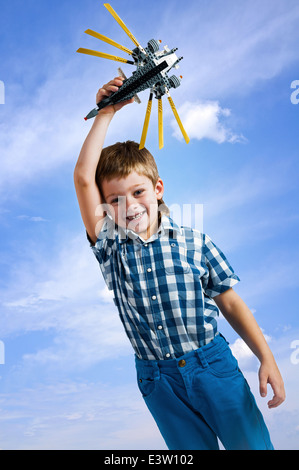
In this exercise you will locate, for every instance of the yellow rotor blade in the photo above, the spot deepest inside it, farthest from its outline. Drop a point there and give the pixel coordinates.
(108, 40)
(121, 23)
(178, 119)
(146, 122)
(103, 55)
(160, 123)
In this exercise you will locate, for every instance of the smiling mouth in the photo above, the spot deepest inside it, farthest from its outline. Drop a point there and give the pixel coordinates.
(136, 216)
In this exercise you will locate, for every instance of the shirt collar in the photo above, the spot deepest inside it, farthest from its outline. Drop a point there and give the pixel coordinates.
(167, 225)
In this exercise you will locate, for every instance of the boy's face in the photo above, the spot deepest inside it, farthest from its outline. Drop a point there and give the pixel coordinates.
(134, 202)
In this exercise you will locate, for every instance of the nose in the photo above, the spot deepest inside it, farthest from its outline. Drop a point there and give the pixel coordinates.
(131, 204)
(131, 209)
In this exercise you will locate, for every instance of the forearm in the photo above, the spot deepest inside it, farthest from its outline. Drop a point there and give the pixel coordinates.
(91, 150)
(241, 319)
(88, 193)
(243, 322)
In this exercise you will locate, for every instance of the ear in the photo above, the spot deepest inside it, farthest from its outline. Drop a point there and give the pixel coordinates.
(159, 189)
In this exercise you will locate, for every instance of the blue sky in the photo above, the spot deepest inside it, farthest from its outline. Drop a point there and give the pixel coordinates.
(68, 379)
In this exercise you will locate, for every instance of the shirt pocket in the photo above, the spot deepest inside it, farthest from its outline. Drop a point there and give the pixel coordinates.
(131, 259)
(174, 258)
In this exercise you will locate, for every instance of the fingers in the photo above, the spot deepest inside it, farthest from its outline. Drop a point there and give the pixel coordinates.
(124, 103)
(109, 88)
(277, 386)
(276, 401)
(263, 385)
(279, 395)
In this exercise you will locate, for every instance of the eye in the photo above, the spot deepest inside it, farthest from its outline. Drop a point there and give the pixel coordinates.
(138, 192)
(114, 201)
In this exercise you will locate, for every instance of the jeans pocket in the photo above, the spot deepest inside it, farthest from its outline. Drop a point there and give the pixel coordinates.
(146, 382)
(223, 364)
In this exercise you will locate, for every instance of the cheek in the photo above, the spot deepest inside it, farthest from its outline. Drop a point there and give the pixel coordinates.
(119, 213)
(114, 212)
(153, 205)
(152, 211)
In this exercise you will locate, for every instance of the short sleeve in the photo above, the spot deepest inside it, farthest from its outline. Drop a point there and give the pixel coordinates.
(105, 244)
(221, 275)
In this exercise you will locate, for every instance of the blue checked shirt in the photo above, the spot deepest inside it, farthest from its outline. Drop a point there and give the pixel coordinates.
(163, 287)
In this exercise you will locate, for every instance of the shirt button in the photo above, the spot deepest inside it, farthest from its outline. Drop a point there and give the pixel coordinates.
(145, 244)
(167, 355)
(154, 297)
(149, 270)
(160, 327)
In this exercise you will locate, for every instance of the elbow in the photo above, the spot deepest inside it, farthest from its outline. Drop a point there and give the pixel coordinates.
(81, 179)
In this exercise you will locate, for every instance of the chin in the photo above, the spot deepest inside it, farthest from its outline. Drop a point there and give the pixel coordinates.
(138, 228)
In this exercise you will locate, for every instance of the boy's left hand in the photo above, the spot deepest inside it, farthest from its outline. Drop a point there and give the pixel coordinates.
(269, 374)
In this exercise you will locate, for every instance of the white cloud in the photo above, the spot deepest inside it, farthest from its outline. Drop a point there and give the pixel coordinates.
(54, 130)
(234, 52)
(77, 416)
(241, 350)
(86, 331)
(205, 121)
(66, 414)
(246, 359)
(282, 421)
(246, 206)
(228, 47)
(32, 218)
(255, 181)
(65, 294)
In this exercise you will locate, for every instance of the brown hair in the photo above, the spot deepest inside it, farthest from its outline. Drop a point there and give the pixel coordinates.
(121, 159)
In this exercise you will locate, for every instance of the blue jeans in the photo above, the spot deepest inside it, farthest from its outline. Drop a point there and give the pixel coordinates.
(201, 396)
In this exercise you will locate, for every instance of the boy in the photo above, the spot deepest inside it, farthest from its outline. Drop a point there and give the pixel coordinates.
(169, 283)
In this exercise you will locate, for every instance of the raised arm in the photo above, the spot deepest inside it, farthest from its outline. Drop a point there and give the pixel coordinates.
(87, 191)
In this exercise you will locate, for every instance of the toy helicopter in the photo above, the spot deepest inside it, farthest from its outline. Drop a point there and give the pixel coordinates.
(152, 68)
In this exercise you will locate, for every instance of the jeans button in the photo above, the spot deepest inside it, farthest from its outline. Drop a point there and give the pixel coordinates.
(182, 363)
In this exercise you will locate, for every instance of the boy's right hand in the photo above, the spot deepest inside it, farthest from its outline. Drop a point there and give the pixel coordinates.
(107, 90)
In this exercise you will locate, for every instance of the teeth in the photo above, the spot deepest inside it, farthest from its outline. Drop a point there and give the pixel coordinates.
(136, 216)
